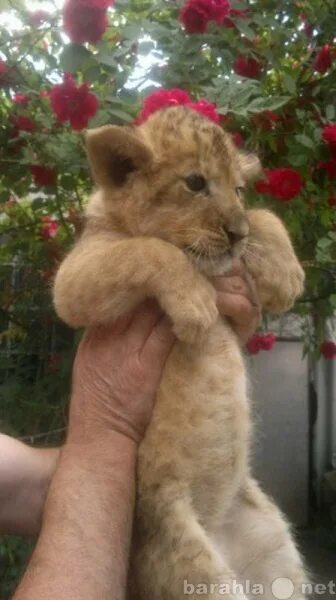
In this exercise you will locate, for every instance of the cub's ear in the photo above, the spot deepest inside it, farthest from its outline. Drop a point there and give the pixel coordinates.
(250, 166)
(115, 152)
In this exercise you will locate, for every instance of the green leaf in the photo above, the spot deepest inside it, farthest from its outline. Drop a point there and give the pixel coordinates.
(145, 47)
(271, 103)
(304, 140)
(107, 59)
(73, 57)
(290, 83)
(120, 115)
(330, 112)
(324, 243)
(8, 5)
(297, 160)
(245, 29)
(317, 134)
(332, 300)
(92, 74)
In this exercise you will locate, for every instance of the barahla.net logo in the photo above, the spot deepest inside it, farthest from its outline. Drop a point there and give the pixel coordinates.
(282, 588)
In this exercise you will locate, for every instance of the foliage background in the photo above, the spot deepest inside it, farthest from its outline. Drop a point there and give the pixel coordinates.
(145, 46)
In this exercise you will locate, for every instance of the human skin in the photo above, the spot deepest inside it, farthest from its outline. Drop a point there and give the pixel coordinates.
(83, 547)
(26, 472)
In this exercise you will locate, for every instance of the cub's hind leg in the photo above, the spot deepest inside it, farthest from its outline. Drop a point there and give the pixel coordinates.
(173, 558)
(262, 548)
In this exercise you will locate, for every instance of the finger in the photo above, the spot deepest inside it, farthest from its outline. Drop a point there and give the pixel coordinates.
(234, 285)
(253, 289)
(120, 326)
(101, 335)
(160, 341)
(144, 320)
(237, 267)
(242, 314)
(237, 307)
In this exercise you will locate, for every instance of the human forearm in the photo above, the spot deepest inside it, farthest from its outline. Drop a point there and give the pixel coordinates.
(25, 474)
(83, 547)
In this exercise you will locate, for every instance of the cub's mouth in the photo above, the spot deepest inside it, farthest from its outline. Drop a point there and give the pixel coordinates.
(211, 261)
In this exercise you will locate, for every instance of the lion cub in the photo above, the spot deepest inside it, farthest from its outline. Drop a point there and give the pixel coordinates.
(168, 214)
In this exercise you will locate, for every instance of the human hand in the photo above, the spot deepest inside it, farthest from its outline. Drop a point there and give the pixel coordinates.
(237, 300)
(116, 374)
(25, 474)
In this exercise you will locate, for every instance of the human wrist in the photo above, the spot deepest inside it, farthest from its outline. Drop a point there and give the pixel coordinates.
(95, 415)
(99, 451)
(102, 470)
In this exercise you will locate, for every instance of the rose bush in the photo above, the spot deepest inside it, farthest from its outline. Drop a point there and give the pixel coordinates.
(266, 72)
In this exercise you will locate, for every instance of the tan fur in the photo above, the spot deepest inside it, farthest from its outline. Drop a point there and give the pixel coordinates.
(199, 515)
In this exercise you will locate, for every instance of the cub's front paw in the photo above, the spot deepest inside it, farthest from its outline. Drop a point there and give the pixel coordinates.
(193, 310)
(280, 285)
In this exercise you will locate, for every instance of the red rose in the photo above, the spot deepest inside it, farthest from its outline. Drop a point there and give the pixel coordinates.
(329, 134)
(3, 67)
(162, 99)
(260, 341)
(234, 13)
(3, 71)
(195, 15)
(38, 17)
(100, 4)
(307, 27)
(284, 183)
(237, 139)
(323, 59)
(253, 345)
(329, 166)
(49, 227)
(43, 176)
(22, 123)
(73, 103)
(175, 97)
(270, 115)
(267, 341)
(332, 201)
(207, 109)
(262, 186)
(328, 349)
(247, 66)
(22, 99)
(266, 120)
(83, 22)
(220, 9)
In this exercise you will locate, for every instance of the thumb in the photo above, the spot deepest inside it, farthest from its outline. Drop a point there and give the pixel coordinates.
(161, 340)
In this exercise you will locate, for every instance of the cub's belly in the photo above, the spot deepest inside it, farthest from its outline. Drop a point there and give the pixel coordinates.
(200, 426)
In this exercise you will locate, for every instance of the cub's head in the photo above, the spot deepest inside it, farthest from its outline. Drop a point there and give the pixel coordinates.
(178, 177)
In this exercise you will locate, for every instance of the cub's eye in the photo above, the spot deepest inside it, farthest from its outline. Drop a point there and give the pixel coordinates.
(196, 183)
(240, 191)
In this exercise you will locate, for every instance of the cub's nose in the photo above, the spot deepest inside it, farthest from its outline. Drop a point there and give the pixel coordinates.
(236, 231)
(235, 236)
